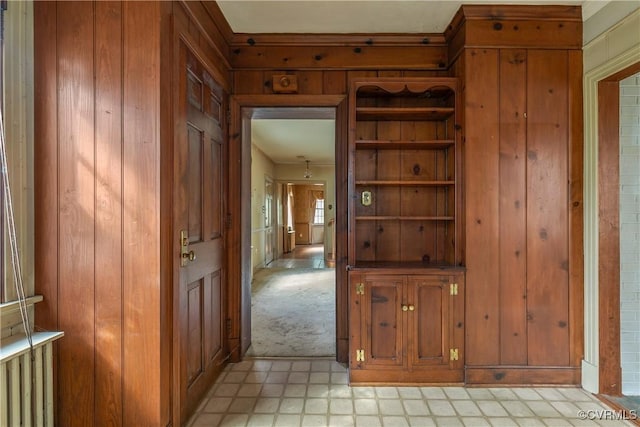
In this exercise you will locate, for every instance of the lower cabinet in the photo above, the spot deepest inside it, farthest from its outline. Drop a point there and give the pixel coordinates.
(406, 328)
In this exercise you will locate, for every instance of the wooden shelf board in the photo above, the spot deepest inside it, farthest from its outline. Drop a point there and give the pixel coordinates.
(407, 183)
(404, 218)
(404, 265)
(408, 145)
(403, 113)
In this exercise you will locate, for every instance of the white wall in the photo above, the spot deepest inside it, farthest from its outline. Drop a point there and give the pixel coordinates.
(321, 173)
(630, 234)
(610, 48)
(261, 167)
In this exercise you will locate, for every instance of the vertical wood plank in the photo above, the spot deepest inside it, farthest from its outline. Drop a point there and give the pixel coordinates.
(342, 232)
(609, 236)
(513, 192)
(141, 200)
(547, 208)
(76, 195)
(334, 82)
(310, 82)
(46, 164)
(108, 215)
(576, 215)
(482, 206)
(249, 82)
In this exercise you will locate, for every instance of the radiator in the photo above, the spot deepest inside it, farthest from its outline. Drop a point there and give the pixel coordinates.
(26, 380)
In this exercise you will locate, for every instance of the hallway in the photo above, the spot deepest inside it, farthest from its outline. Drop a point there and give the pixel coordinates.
(314, 392)
(303, 256)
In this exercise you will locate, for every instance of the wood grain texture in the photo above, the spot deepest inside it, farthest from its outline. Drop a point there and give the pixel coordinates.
(108, 215)
(76, 194)
(46, 165)
(141, 220)
(547, 208)
(609, 237)
(482, 206)
(513, 230)
(576, 211)
(522, 376)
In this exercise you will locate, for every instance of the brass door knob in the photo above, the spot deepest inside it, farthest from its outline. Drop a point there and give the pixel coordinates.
(404, 307)
(191, 256)
(412, 307)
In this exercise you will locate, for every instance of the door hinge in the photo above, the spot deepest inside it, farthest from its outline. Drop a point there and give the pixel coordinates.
(453, 354)
(359, 355)
(228, 325)
(227, 221)
(359, 288)
(454, 288)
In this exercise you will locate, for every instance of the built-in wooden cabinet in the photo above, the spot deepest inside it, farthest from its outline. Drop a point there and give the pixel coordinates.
(404, 198)
(406, 284)
(407, 326)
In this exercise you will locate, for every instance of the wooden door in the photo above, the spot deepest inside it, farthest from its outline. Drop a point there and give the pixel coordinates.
(429, 320)
(381, 320)
(199, 166)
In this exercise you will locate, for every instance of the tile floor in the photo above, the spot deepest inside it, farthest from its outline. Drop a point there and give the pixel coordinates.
(303, 256)
(314, 392)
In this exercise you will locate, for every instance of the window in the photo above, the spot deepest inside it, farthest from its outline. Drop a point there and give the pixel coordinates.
(318, 217)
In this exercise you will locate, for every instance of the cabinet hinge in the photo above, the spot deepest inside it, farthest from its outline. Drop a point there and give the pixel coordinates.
(228, 325)
(359, 288)
(359, 355)
(454, 288)
(453, 354)
(228, 221)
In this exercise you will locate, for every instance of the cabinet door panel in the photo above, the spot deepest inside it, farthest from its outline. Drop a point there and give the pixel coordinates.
(429, 322)
(382, 310)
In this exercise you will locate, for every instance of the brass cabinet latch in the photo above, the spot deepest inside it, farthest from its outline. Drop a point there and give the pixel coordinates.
(453, 354)
(366, 198)
(454, 289)
(359, 288)
(359, 355)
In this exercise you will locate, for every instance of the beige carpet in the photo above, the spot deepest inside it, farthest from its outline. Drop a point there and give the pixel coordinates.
(293, 312)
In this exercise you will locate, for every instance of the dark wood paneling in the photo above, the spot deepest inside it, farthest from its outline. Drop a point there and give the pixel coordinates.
(519, 376)
(554, 34)
(272, 57)
(482, 206)
(576, 211)
(46, 164)
(76, 212)
(141, 198)
(513, 230)
(547, 208)
(609, 237)
(108, 215)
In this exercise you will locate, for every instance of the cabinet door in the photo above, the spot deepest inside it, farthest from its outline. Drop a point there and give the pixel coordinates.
(382, 321)
(429, 317)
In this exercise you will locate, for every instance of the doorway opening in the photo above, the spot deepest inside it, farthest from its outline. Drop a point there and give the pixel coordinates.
(619, 244)
(292, 199)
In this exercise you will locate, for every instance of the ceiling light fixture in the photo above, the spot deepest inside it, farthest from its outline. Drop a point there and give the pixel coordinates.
(307, 172)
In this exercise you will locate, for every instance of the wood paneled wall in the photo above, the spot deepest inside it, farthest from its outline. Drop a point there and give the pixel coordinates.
(97, 208)
(103, 179)
(523, 195)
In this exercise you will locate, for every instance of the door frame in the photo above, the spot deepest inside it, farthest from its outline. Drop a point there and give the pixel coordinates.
(239, 259)
(610, 370)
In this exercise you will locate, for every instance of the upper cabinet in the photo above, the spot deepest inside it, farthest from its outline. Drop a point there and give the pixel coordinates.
(404, 172)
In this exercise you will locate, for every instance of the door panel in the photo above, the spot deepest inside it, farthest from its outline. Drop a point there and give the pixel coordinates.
(199, 198)
(382, 310)
(430, 321)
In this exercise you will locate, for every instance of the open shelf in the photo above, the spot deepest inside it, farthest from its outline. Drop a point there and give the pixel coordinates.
(404, 218)
(407, 183)
(407, 145)
(404, 113)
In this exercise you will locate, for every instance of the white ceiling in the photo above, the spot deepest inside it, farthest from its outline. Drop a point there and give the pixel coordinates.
(292, 141)
(284, 141)
(359, 16)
